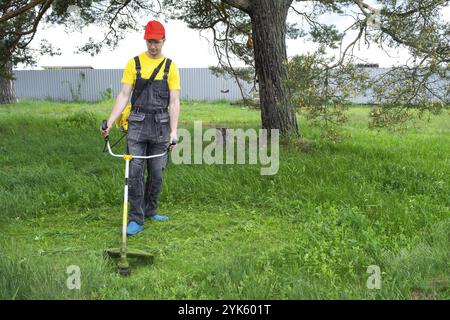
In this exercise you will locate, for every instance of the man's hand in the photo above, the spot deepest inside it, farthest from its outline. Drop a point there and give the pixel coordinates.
(105, 133)
(173, 137)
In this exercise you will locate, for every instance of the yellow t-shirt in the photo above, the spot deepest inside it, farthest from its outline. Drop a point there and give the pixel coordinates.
(147, 67)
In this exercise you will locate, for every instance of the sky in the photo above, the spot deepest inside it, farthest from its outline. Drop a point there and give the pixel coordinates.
(186, 47)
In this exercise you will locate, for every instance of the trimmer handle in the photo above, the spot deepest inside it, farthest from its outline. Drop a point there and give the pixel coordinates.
(173, 143)
(104, 127)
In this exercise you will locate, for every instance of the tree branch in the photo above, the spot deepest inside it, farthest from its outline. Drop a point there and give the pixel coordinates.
(364, 7)
(412, 11)
(33, 30)
(341, 60)
(19, 11)
(243, 5)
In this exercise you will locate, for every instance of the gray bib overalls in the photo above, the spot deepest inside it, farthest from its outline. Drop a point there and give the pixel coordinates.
(148, 133)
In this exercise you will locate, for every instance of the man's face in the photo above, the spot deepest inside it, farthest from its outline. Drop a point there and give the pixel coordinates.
(155, 46)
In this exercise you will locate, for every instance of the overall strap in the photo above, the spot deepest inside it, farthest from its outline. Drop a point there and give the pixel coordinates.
(155, 72)
(166, 69)
(138, 67)
(148, 82)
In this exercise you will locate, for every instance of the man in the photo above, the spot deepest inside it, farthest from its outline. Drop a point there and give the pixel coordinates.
(151, 127)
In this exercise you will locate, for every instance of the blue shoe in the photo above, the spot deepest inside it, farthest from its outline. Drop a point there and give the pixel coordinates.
(134, 228)
(158, 217)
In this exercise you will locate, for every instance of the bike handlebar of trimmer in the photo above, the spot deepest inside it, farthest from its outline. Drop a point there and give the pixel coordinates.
(105, 126)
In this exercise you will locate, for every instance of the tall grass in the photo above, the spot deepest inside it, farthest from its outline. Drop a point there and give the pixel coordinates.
(308, 232)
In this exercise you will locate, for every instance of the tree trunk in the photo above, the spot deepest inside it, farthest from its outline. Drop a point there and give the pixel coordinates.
(269, 39)
(7, 94)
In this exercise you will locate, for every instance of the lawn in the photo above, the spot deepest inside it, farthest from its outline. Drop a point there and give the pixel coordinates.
(308, 232)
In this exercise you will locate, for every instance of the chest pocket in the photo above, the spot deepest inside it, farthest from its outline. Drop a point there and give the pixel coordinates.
(136, 117)
(160, 93)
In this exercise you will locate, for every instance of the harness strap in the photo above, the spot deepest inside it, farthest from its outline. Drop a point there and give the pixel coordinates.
(166, 68)
(148, 82)
(138, 67)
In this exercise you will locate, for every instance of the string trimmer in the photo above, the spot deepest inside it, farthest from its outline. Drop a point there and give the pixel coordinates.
(123, 252)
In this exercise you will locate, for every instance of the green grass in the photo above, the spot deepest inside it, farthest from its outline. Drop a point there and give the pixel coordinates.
(310, 231)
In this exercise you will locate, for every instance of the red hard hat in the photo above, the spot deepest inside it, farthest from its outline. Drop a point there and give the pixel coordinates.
(154, 31)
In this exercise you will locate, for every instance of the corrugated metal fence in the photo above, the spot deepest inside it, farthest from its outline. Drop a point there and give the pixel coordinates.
(89, 84)
(196, 84)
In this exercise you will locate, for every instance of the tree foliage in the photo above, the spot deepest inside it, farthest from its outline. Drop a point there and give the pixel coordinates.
(320, 84)
(17, 32)
(20, 20)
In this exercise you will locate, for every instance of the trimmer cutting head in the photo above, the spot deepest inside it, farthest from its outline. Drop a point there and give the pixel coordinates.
(123, 265)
